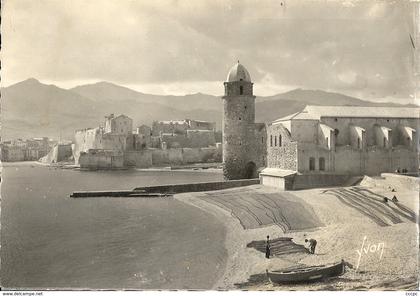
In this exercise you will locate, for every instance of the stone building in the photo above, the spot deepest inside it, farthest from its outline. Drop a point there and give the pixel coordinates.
(24, 150)
(180, 126)
(243, 140)
(122, 124)
(99, 142)
(342, 140)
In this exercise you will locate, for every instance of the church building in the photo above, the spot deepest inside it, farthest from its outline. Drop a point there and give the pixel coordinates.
(324, 142)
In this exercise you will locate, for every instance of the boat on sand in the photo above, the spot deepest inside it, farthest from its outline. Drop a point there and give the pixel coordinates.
(306, 274)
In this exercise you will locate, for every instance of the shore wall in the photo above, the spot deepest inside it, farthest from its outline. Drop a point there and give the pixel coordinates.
(180, 156)
(196, 187)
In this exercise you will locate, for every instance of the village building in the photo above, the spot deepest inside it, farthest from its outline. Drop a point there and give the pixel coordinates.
(244, 141)
(25, 150)
(180, 126)
(321, 142)
(116, 145)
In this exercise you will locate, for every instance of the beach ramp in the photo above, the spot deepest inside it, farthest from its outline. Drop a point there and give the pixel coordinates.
(255, 209)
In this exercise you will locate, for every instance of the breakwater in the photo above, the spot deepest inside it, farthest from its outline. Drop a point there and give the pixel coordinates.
(163, 190)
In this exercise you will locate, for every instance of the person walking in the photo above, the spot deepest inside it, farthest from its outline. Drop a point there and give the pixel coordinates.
(267, 248)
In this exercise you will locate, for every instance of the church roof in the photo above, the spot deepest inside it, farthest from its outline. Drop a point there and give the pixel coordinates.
(237, 73)
(316, 112)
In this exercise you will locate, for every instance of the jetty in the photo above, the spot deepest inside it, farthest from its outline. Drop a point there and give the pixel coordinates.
(167, 190)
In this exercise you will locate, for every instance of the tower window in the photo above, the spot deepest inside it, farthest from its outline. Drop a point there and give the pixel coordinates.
(358, 143)
(384, 142)
(280, 140)
(241, 90)
(271, 140)
(275, 140)
(262, 140)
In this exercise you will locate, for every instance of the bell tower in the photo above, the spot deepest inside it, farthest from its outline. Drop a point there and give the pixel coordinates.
(238, 125)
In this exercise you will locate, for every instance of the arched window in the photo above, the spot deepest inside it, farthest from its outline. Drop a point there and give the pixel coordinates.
(241, 90)
(280, 140)
(312, 164)
(322, 164)
(275, 140)
(271, 140)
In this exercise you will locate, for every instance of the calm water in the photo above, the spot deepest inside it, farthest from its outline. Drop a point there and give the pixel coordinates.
(51, 240)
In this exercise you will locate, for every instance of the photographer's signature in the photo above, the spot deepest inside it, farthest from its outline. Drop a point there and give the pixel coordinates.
(370, 248)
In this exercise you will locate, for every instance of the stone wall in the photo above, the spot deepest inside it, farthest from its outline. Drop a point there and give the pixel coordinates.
(139, 159)
(284, 156)
(175, 140)
(200, 138)
(353, 161)
(100, 159)
(97, 139)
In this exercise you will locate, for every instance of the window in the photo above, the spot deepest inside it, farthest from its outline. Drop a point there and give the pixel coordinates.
(275, 140)
(384, 142)
(240, 118)
(245, 107)
(326, 140)
(358, 143)
(280, 140)
(312, 164)
(262, 140)
(241, 90)
(322, 164)
(271, 140)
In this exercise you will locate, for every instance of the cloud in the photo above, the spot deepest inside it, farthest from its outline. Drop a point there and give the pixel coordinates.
(309, 44)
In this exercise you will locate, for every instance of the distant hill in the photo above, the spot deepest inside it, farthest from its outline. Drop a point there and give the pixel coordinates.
(33, 109)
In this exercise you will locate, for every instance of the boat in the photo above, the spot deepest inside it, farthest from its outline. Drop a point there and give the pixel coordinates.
(306, 274)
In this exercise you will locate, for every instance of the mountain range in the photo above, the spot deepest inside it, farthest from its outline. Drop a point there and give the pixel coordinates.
(33, 109)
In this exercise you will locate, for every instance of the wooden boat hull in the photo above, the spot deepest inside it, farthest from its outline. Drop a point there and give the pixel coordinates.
(308, 274)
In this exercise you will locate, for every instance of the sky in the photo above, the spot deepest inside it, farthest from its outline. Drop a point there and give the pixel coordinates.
(358, 48)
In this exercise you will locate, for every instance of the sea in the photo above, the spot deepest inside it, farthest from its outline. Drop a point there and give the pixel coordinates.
(52, 241)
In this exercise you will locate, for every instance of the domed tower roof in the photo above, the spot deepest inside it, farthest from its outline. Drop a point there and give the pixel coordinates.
(237, 73)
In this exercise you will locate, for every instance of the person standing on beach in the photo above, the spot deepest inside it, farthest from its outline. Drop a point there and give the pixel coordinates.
(312, 245)
(267, 248)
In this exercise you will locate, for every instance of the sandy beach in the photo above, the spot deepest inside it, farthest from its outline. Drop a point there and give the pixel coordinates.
(379, 240)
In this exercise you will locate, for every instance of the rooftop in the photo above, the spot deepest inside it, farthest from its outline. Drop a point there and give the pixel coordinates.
(238, 73)
(317, 112)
